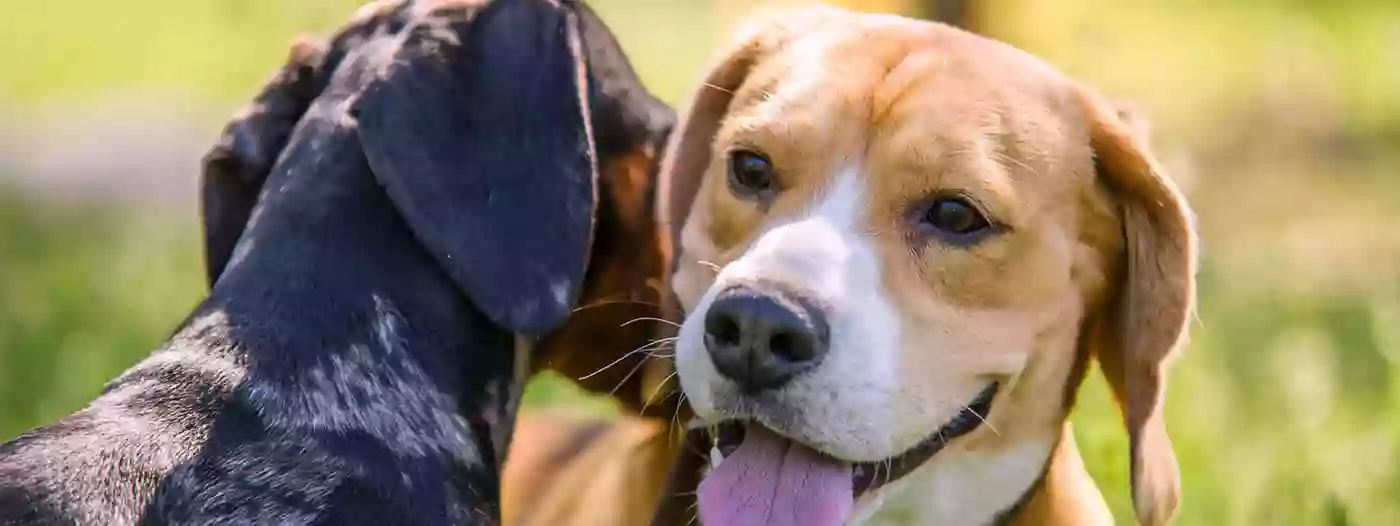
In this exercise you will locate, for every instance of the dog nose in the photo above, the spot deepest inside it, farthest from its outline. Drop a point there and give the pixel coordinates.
(760, 340)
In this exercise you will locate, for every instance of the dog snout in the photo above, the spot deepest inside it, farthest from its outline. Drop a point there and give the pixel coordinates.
(760, 340)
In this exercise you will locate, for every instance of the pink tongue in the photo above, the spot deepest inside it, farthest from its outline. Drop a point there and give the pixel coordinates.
(771, 480)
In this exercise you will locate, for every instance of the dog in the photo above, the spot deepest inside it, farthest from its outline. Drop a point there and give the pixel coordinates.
(901, 246)
(571, 470)
(398, 231)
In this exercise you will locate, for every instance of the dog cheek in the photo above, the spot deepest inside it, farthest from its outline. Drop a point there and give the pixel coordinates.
(690, 282)
(696, 372)
(850, 403)
(846, 410)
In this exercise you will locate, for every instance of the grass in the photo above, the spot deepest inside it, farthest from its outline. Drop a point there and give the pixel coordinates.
(84, 293)
(214, 51)
(1277, 115)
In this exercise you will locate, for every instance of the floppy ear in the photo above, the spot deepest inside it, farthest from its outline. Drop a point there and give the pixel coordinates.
(689, 151)
(478, 132)
(1148, 313)
(619, 305)
(234, 170)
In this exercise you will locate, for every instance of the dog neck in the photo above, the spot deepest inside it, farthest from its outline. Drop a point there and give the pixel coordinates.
(352, 336)
(1066, 494)
(1038, 481)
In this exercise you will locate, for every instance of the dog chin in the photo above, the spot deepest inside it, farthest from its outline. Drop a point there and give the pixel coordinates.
(794, 422)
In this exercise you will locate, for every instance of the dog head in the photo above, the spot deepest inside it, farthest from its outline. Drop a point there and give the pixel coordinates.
(551, 231)
(901, 244)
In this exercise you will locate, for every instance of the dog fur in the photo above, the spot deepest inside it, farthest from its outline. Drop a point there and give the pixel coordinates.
(398, 226)
(867, 118)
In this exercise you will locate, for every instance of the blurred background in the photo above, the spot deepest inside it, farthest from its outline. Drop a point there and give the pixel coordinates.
(1280, 118)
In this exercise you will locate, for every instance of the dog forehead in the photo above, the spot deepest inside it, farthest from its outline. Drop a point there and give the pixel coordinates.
(886, 70)
(909, 96)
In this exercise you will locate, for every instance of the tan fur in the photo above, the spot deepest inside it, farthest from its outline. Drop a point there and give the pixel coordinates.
(1068, 497)
(565, 470)
(1098, 255)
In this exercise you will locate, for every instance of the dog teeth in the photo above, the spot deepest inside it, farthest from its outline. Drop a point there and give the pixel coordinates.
(716, 456)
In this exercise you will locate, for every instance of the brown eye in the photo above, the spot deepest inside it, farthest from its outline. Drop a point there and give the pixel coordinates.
(955, 216)
(750, 173)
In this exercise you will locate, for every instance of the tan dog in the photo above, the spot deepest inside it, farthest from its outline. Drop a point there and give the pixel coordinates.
(902, 245)
(570, 470)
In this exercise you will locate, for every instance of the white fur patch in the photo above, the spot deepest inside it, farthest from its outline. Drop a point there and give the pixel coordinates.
(825, 256)
(957, 487)
(560, 291)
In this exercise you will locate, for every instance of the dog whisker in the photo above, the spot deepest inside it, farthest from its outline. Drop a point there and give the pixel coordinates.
(656, 391)
(889, 471)
(605, 303)
(608, 366)
(984, 420)
(643, 349)
(634, 370)
(659, 351)
(719, 88)
(668, 396)
(713, 266)
(675, 415)
(647, 318)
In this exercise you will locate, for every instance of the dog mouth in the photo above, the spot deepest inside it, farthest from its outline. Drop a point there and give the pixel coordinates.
(766, 478)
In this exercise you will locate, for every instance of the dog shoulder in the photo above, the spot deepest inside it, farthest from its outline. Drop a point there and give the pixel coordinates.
(149, 420)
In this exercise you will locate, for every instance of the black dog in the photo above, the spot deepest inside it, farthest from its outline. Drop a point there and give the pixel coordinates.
(426, 188)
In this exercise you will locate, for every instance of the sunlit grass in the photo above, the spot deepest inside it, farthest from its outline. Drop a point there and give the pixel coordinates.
(84, 293)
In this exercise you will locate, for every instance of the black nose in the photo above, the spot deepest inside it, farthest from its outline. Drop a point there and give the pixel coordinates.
(761, 339)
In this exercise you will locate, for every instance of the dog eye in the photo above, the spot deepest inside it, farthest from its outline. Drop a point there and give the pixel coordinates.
(955, 216)
(750, 173)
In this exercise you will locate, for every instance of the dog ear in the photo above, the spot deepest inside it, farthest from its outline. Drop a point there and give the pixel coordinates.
(689, 151)
(1147, 315)
(477, 129)
(234, 170)
(619, 308)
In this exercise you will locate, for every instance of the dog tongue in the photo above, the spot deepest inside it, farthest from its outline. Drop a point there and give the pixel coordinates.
(770, 480)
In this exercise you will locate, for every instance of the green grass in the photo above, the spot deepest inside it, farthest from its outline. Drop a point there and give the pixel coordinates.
(1278, 115)
(84, 293)
(215, 51)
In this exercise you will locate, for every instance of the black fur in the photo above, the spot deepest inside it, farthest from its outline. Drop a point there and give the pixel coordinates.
(353, 363)
(508, 102)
